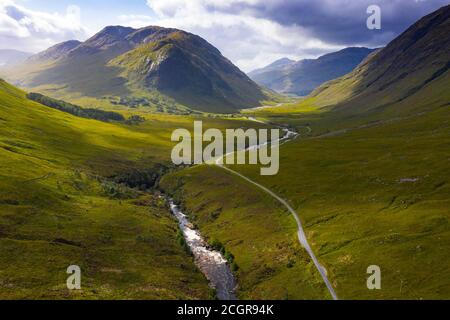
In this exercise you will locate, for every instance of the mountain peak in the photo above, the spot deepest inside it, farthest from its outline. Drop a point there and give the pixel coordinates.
(55, 52)
(115, 31)
(302, 77)
(282, 62)
(108, 36)
(119, 61)
(276, 64)
(149, 33)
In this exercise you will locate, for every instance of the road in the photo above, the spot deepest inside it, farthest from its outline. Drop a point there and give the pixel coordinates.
(301, 233)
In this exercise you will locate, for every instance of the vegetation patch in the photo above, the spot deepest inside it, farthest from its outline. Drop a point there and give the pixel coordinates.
(76, 110)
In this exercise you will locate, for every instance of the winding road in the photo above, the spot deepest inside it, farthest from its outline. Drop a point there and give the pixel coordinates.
(301, 233)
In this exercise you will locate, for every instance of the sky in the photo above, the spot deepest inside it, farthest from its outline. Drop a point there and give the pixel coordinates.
(251, 33)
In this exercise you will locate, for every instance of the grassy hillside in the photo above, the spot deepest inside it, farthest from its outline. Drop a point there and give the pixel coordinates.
(375, 196)
(371, 195)
(253, 228)
(370, 178)
(58, 207)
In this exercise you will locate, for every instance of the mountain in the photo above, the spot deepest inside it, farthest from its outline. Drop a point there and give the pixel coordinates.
(55, 52)
(126, 62)
(274, 66)
(12, 57)
(302, 77)
(411, 74)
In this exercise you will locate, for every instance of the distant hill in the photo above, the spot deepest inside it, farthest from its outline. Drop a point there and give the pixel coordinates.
(302, 77)
(126, 62)
(55, 52)
(12, 57)
(410, 75)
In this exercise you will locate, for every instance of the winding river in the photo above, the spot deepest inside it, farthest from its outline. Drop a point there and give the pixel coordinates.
(210, 262)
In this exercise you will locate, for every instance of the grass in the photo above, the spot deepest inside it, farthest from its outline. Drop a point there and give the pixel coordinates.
(370, 182)
(253, 228)
(370, 196)
(59, 205)
(376, 195)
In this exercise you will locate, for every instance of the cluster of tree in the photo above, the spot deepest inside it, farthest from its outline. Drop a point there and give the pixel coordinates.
(134, 120)
(141, 179)
(76, 110)
(161, 104)
(182, 242)
(131, 102)
(218, 246)
(118, 191)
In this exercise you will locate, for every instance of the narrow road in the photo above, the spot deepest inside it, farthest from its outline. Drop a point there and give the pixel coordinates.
(301, 233)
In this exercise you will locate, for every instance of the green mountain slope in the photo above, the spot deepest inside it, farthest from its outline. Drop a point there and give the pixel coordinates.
(304, 76)
(59, 208)
(412, 72)
(375, 195)
(125, 62)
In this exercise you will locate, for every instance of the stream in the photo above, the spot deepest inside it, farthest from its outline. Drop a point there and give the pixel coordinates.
(210, 262)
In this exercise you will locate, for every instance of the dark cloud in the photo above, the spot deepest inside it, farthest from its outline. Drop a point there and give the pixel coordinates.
(14, 13)
(341, 22)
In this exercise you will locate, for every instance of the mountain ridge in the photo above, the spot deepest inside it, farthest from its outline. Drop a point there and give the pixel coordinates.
(415, 62)
(185, 68)
(11, 57)
(304, 76)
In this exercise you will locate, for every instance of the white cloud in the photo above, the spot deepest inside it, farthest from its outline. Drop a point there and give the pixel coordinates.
(29, 30)
(250, 42)
(135, 20)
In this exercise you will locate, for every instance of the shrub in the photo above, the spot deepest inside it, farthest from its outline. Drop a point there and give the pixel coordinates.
(74, 109)
(134, 120)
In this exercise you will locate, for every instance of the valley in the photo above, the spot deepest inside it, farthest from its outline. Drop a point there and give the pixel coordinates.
(370, 188)
(87, 175)
(70, 201)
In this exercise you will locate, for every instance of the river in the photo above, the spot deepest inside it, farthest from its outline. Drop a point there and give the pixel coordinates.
(210, 262)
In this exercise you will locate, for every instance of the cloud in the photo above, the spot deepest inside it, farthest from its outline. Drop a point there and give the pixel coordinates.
(136, 20)
(28, 30)
(253, 33)
(248, 41)
(340, 21)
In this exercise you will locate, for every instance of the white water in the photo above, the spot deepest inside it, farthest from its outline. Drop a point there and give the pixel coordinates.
(210, 262)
